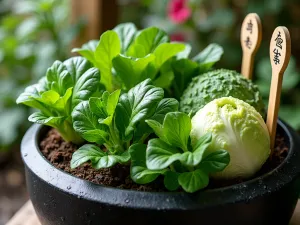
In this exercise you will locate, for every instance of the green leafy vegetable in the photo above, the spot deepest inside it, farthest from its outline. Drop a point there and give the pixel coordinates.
(126, 57)
(135, 67)
(111, 120)
(109, 47)
(215, 161)
(126, 33)
(87, 50)
(182, 164)
(97, 157)
(137, 105)
(66, 84)
(209, 56)
(147, 41)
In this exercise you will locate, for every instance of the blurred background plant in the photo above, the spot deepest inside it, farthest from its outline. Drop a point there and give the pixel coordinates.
(33, 33)
(201, 22)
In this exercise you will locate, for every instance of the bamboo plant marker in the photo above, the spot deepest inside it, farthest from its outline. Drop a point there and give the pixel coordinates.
(280, 52)
(251, 34)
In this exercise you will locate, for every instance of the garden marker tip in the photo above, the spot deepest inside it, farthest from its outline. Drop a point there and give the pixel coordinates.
(280, 52)
(251, 34)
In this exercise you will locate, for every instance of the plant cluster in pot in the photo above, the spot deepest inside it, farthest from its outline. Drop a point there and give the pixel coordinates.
(134, 131)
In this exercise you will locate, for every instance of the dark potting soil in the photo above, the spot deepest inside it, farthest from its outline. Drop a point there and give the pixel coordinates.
(59, 153)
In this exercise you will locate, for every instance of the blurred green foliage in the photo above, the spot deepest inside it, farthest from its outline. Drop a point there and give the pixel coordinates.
(33, 33)
(215, 21)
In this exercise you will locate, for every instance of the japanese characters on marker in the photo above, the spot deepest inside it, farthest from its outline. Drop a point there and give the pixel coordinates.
(277, 49)
(249, 28)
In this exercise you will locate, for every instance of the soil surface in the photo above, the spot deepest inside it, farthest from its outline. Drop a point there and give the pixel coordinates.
(59, 153)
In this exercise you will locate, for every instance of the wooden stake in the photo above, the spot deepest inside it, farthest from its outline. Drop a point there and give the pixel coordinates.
(280, 52)
(251, 35)
(100, 15)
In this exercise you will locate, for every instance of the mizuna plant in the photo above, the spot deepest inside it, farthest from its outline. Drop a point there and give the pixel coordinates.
(65, 85)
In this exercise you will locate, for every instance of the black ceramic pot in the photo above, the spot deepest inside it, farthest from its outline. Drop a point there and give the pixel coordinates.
(62, 199)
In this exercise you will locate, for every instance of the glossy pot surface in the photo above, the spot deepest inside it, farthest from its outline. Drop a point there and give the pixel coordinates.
(62, 199)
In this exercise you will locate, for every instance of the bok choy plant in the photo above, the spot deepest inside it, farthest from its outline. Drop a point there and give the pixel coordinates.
(173, 156)
(126, 56)
(114, 122)
(65, 85)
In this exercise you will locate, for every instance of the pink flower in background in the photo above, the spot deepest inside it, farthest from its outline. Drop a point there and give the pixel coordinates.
(178, 11)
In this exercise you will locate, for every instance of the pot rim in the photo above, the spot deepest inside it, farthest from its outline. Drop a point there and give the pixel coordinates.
(260, 186)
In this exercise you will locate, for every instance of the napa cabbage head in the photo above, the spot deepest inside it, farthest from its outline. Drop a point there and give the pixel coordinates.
(238, 128)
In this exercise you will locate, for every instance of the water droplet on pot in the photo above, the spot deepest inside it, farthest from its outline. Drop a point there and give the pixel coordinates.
(69, 187)
(127, 200)
(265, 186)
(25, 154)
(62, 218)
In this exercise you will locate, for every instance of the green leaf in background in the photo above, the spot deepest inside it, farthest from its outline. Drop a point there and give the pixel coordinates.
(85, 86)
(85, 122)
(165, 51)
(289, 109)
(138, 170)
(138, 104)
(109, 47)
(185, 53)
(208, 57)
(129, 70)
(126, 33)
(193, 181)
(184, 70)
(291, 115)
(291, 76)
(215, 161)
(148, 39)
(27, 27)
(10, 120)
(88, 50)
